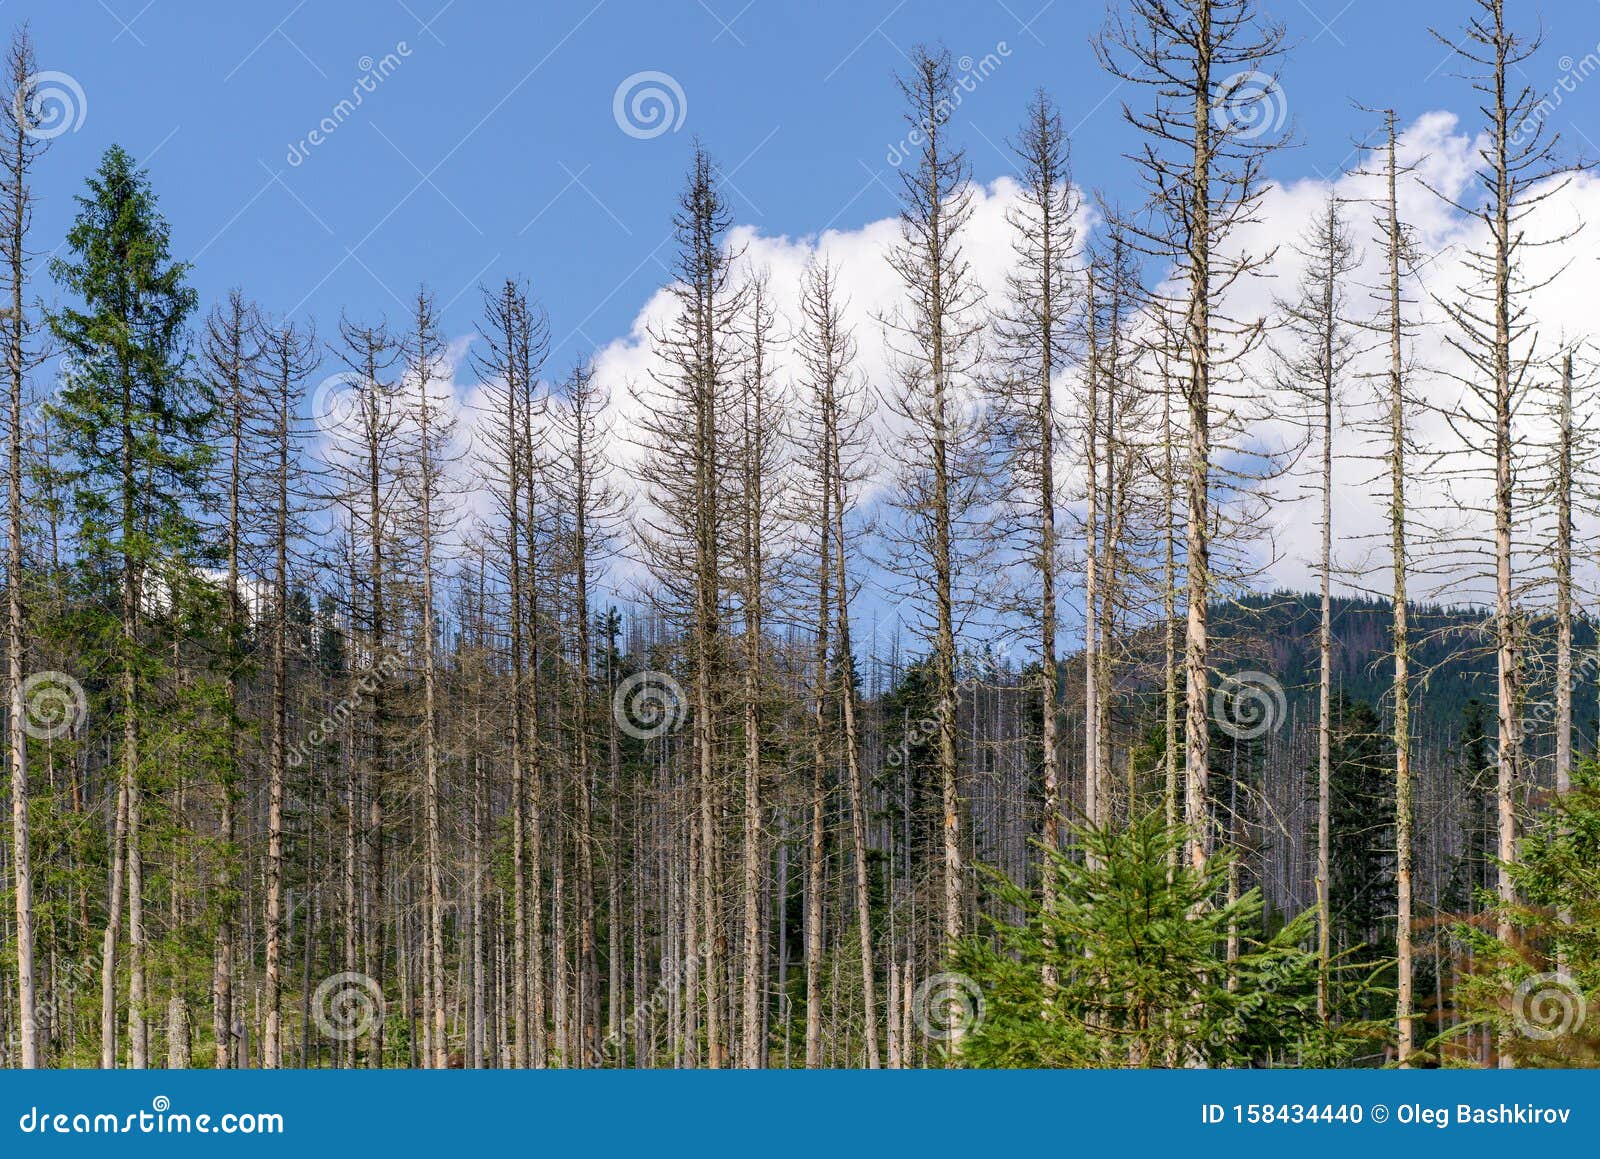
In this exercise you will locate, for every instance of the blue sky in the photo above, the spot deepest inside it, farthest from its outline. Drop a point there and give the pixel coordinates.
(491, 147)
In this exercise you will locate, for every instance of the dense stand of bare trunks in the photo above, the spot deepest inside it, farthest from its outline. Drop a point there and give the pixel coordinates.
(455, 793)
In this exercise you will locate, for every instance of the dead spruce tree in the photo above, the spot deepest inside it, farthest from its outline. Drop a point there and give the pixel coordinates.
(429, 429)
(761, 429)
(22, 148)
(831, 442)
(1385, 425)
(516, 336)
(287, 355)
(1212, 119)
(1495, 337)
(230, 358)
(934, 340)
(589, 507)
(1035, 340)
(684, 534)
(1399, 258)
(1114, 423)
(361, 424)
(1320, 348)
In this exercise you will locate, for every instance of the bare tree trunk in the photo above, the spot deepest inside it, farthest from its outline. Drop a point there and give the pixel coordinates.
(1404, 1000)
(424, 358)
(852, 753)
(289, 356)
(1197, 527)
(1325, 705)
(539, 1042)
(518, 339)
(755, 452)
(227, 338)
(1092, 774)
(1035, 333)
(583, 491)
(272, 1046)
(138, 1041)
(113, 932)
(1169, 619)
(815, 846)
(1315, 316)
(20, 67)
(1563, 578)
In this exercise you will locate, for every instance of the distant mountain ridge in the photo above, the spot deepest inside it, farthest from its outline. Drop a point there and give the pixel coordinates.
(1452, 657)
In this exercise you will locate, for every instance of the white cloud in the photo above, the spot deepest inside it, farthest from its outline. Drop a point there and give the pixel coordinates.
(1443, 157)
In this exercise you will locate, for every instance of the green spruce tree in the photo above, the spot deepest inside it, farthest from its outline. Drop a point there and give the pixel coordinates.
(1538, 990)
(132, 420)
(1140, 975)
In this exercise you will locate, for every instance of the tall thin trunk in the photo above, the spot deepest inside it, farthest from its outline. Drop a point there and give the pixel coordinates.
(18, 201)
(138, 1042)
(1508, 660)
(425, 354)
(1169, 619)
(113, 932)
(1325, 628)
(279, 728)
(755, 565)
(1092, 778)
(1197, 526)
(1564, 582)
(852, 749)
(227, 822)
(534, 750)
(1404, 1000)
(815, 850)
